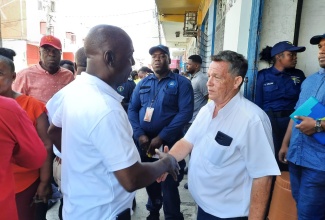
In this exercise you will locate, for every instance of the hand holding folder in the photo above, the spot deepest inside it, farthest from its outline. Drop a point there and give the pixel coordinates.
(314, 109)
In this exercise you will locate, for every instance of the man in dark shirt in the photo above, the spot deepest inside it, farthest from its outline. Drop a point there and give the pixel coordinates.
(160, 107)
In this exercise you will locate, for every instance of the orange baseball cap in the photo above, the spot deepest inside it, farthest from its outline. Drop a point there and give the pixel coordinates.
(52, 41)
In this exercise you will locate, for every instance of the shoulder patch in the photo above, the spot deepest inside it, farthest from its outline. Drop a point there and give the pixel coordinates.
(120, 88)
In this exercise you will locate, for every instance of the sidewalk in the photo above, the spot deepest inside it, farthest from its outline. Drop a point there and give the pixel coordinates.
(188, 206)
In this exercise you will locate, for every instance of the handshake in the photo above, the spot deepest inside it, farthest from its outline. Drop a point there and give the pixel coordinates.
(150, 149)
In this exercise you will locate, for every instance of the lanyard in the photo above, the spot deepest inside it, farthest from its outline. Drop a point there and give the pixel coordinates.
(155, 96)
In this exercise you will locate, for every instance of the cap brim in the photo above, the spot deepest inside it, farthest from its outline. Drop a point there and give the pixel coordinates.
(316, 39)
(297, 49)
(51, 46)
(153, 49)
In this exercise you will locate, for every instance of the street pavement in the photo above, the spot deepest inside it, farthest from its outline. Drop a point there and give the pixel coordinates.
(188, 206)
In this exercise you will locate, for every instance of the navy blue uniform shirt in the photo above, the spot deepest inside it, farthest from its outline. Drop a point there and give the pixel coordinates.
(125, 90)
(173, 102)
(278, 91)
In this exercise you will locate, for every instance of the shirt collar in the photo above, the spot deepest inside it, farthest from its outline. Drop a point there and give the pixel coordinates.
(321, 71)
(169, 75)
(101, 85)
(196, 74)
(275, 70)
(230, 106)
(38, 66)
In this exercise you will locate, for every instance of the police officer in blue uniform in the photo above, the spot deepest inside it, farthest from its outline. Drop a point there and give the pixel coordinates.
(161, 105)
(278, 88)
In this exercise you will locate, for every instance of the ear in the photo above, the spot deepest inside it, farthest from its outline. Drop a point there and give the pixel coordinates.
(238, 81)
(109, 57)
(169, 59)
(13, 76)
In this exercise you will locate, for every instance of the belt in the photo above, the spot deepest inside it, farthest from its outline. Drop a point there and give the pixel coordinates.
(279, 114)
(57, 159)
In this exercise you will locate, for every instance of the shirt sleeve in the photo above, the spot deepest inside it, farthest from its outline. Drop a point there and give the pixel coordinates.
(117, 148)
(29, 151)
(185, 112)
(133, 112)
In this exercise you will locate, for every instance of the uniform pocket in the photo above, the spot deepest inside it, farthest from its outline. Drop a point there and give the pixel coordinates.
(170, 96)
(271, 90)
(144, 96)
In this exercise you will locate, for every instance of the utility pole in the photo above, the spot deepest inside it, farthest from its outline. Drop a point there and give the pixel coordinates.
(158, 23)
(50, 15)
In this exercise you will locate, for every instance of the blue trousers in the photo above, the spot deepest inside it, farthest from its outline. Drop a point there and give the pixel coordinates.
(165, 194)
(308, 190)
(202, 215)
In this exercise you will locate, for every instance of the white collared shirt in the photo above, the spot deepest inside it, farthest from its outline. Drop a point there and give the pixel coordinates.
(220, 177)
(96, 141)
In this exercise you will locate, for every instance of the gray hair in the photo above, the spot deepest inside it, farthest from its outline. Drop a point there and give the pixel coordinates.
(237, 63)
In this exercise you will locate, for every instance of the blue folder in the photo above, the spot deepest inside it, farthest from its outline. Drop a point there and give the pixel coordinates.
(314, 109)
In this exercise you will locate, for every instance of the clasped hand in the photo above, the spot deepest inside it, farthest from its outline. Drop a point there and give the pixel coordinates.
(307, 125)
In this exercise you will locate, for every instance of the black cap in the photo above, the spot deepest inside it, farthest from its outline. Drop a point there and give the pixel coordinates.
(285, 46)
(316, 39)
(159, 47)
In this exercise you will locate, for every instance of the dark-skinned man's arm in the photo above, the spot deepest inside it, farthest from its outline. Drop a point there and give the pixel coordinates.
(140, 175)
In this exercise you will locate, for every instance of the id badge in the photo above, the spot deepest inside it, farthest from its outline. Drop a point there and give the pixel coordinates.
(148, 115)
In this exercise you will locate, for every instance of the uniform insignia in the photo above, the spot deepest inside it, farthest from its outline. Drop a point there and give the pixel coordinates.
(268, 83)
(172, 83)
(120, 88)
(49, 39)
(295, 79)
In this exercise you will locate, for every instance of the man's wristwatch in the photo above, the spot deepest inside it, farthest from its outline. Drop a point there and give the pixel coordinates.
(318, 126)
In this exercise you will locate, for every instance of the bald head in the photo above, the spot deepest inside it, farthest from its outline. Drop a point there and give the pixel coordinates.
(109, 52)
(80, 61)
(80, 57)
(104, 37)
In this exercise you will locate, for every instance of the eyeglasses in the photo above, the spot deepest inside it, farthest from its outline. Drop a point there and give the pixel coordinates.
(52, 51)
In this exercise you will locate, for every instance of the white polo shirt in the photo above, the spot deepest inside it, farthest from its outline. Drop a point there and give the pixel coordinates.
(96, 141)
(220, 177)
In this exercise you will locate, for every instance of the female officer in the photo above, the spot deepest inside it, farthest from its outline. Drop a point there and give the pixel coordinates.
(278, 88)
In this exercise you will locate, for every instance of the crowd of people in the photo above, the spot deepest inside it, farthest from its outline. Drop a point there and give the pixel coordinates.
(100, 131)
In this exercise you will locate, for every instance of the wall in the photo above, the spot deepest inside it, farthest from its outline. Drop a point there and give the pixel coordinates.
(312, 23)
(34, 16)
(13, 20)
(278, 23)
(237, 24)
(243, 35)
(19, 46)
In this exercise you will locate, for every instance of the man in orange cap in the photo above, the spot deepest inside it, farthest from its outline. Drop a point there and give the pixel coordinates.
(42, 81)
(46, 78)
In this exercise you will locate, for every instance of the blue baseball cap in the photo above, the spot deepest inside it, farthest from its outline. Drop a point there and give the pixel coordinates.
(159, 47)
(316, 39)
(285, 46)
